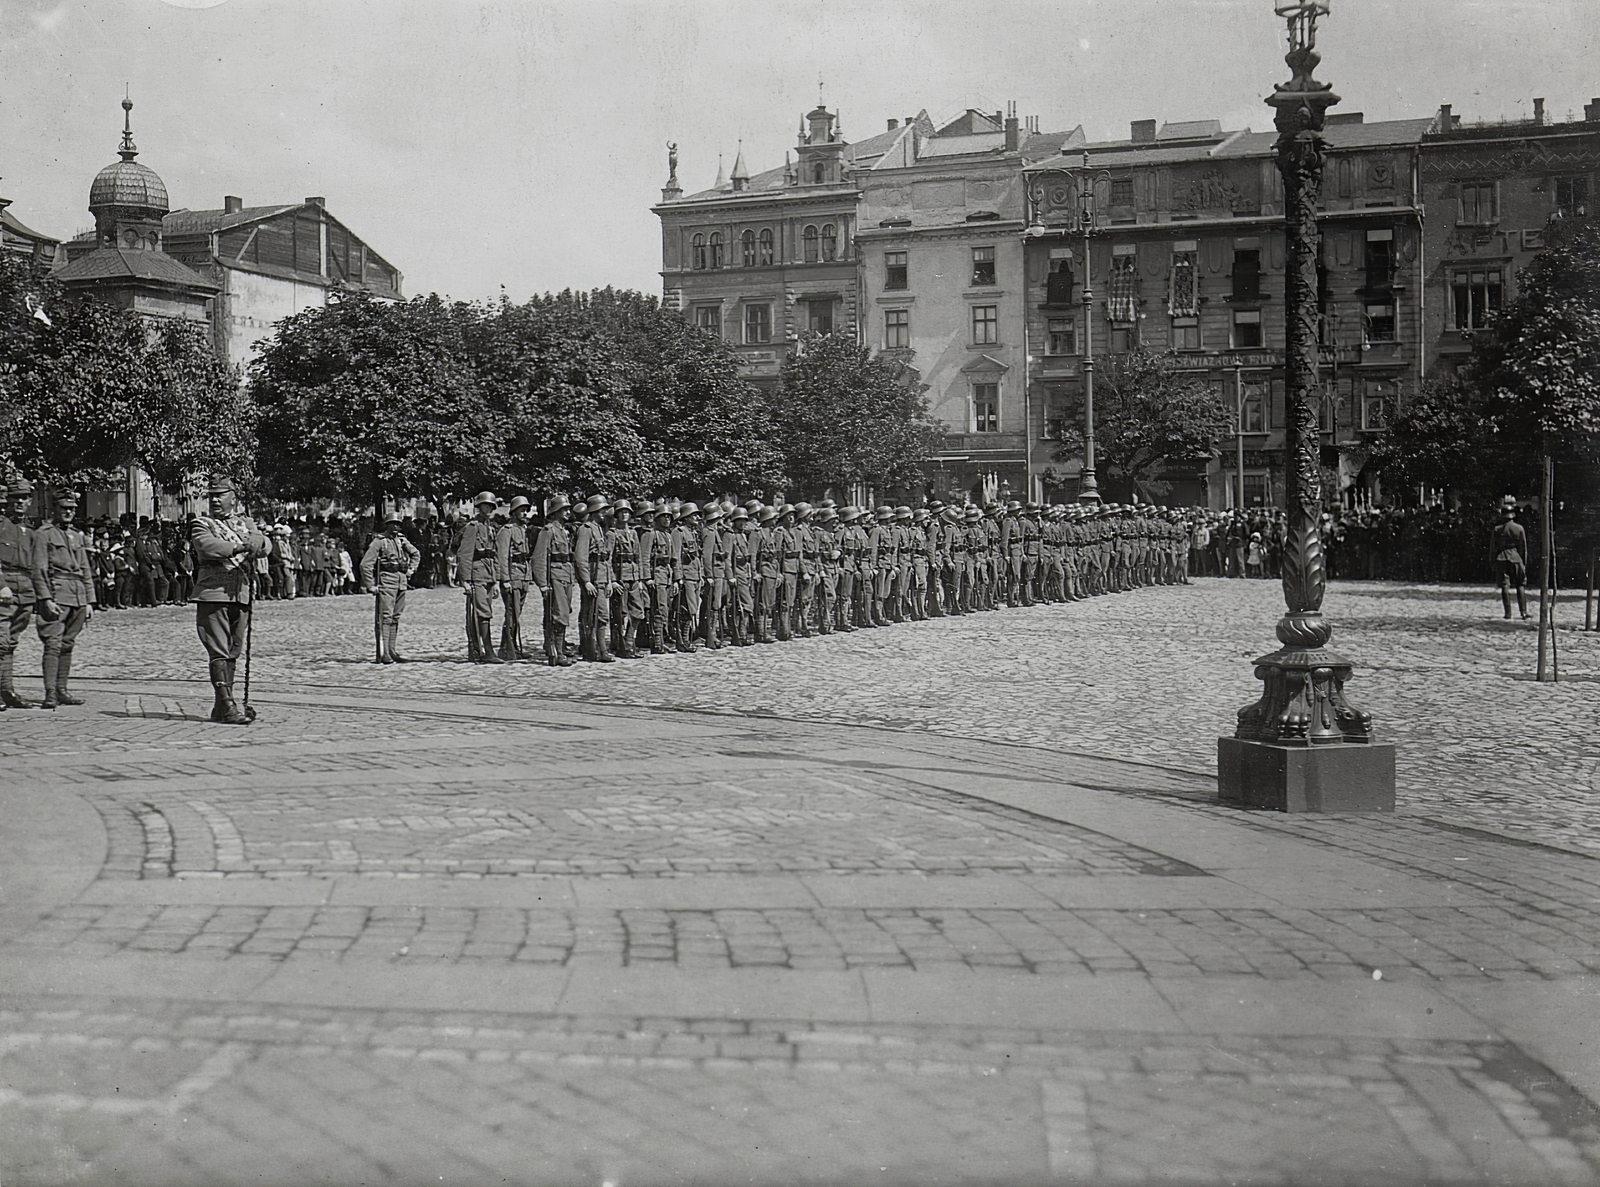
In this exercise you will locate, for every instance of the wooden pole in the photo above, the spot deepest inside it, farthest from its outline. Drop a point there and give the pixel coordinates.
(1545, 672)
(1588, 598)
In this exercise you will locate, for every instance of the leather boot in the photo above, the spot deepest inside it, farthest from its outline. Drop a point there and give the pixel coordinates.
(394, 654)
(563, 648)
(231, 713)
(52, 660)
(658, 642)
(244, 706)
(602, 650)
(63, 697)
(219, 682)
(383, 646)
(486, 649)
(8, 690)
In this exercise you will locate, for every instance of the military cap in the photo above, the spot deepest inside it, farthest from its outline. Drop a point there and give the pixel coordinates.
(883, 512)
(768, 514)
(662, 507)
(485, 497)
(687, 509)
(740, 515)
(715, 514)
(518, 501)
(67, 498)
(19, 486)
(622, 505)
(596, 503)
(973, 511)
(1032, 508)
(753, 506)
(802, 510)
(391, 517)
(920, 515)
(827, 515)
(1013, 505)
(219, 484)
(936, 506)
(556, 502)
(849, 515)
(902, 513)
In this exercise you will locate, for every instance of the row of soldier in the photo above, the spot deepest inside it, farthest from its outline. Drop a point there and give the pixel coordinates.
(652, 576)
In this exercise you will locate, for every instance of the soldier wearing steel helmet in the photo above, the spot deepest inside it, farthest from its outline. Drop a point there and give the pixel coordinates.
(514, 559)
(554, 576)
(632, 600)
(688, 543)
(769, 573)
(716, 548)
(477, 563)
(591, 562)
(386, 569)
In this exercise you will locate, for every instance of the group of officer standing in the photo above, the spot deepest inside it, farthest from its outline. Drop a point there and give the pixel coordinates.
(649, 576)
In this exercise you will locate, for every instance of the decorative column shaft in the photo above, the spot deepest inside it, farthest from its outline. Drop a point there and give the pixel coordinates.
(1302, 700)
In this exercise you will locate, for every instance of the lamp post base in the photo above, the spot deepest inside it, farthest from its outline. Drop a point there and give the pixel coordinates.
(1338, 777)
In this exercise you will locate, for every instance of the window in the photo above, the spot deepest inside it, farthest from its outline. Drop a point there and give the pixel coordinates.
(1058, 281)
(1572, 196)
(697, 250)
(820, 319)
(1376, 395)
(757, 323)
(1185, 333)
(1122, 191)
(894, 270)
(1183, 296)
(1246, 329)
(1247, 270)
(1059, 407)
(1475, 293)
(1061, 336)
(983, 265)
(764, 254)
(747, 248)
(1122, 299)
(709, 319)
(1123, 339)
(808, 238)
(1380, 261)
(1378, 319)
(985, 324)
(1478, 205)
(1255, 490)
(717, 259)
(830, 242)
(896, 329)
(819, 173)
(1254, 407)
(986, 408)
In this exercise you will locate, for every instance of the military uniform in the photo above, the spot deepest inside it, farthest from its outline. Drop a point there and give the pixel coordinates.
(591, 564)
(660, 566)
(514, 559)
(628, 573)
(689, 545)
(553, 573)
(478, 563)
(744, 551)
(386, 570)
(225, 547)
(716, 546)
(16, 589)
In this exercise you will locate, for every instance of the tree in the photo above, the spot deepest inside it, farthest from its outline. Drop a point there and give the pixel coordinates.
(705, 428)
(1148, 414)
(89, 388)
(843, 416)
(365, 398)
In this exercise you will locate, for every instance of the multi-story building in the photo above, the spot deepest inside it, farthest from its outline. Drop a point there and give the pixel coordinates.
(19, 239)
(1187, 255)
(941, 256)
(270, 262)
(1490, 191)
(759, 260)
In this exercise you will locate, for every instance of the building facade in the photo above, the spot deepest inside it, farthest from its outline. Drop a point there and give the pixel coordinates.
(760, 260)
(1490, 191)
(941, 259)
(1187, 256)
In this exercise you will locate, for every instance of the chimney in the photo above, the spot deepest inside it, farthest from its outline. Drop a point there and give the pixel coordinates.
(231, 204)
(893, 124)
(319, 203)
(1444, 117)
(1538, 111)
(1013, 130)
(1144, 131)
(1591, 111)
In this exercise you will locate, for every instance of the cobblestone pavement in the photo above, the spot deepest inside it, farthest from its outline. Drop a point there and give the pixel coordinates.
(833, 919)
(1152, 676)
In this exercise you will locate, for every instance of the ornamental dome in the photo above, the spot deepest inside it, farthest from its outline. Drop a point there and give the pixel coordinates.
(127, 183)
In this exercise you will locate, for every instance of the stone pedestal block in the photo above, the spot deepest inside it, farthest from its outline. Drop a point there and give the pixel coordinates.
(1343, 777)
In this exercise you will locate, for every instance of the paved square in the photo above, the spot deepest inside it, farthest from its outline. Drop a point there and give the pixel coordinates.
(948, 902)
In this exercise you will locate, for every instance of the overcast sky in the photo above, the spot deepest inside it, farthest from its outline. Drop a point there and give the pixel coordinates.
(477, 145)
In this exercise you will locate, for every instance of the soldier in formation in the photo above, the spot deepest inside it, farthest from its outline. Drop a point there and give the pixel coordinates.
(386, 569)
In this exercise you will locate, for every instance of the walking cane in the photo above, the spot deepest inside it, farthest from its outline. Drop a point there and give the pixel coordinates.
(249, 630)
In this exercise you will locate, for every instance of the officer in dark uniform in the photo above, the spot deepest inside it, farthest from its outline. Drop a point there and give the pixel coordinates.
(16, 586)
(386, 570)
(554, 575)
(226, 544)
(515, 561)
(63, 582)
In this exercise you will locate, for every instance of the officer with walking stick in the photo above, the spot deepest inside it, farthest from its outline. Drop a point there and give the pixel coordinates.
(226, 544)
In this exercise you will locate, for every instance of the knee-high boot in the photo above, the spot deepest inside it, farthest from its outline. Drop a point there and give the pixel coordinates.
(8, 688)
(52, 661)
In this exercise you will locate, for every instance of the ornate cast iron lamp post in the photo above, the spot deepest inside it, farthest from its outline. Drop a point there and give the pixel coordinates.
(1303, 746)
